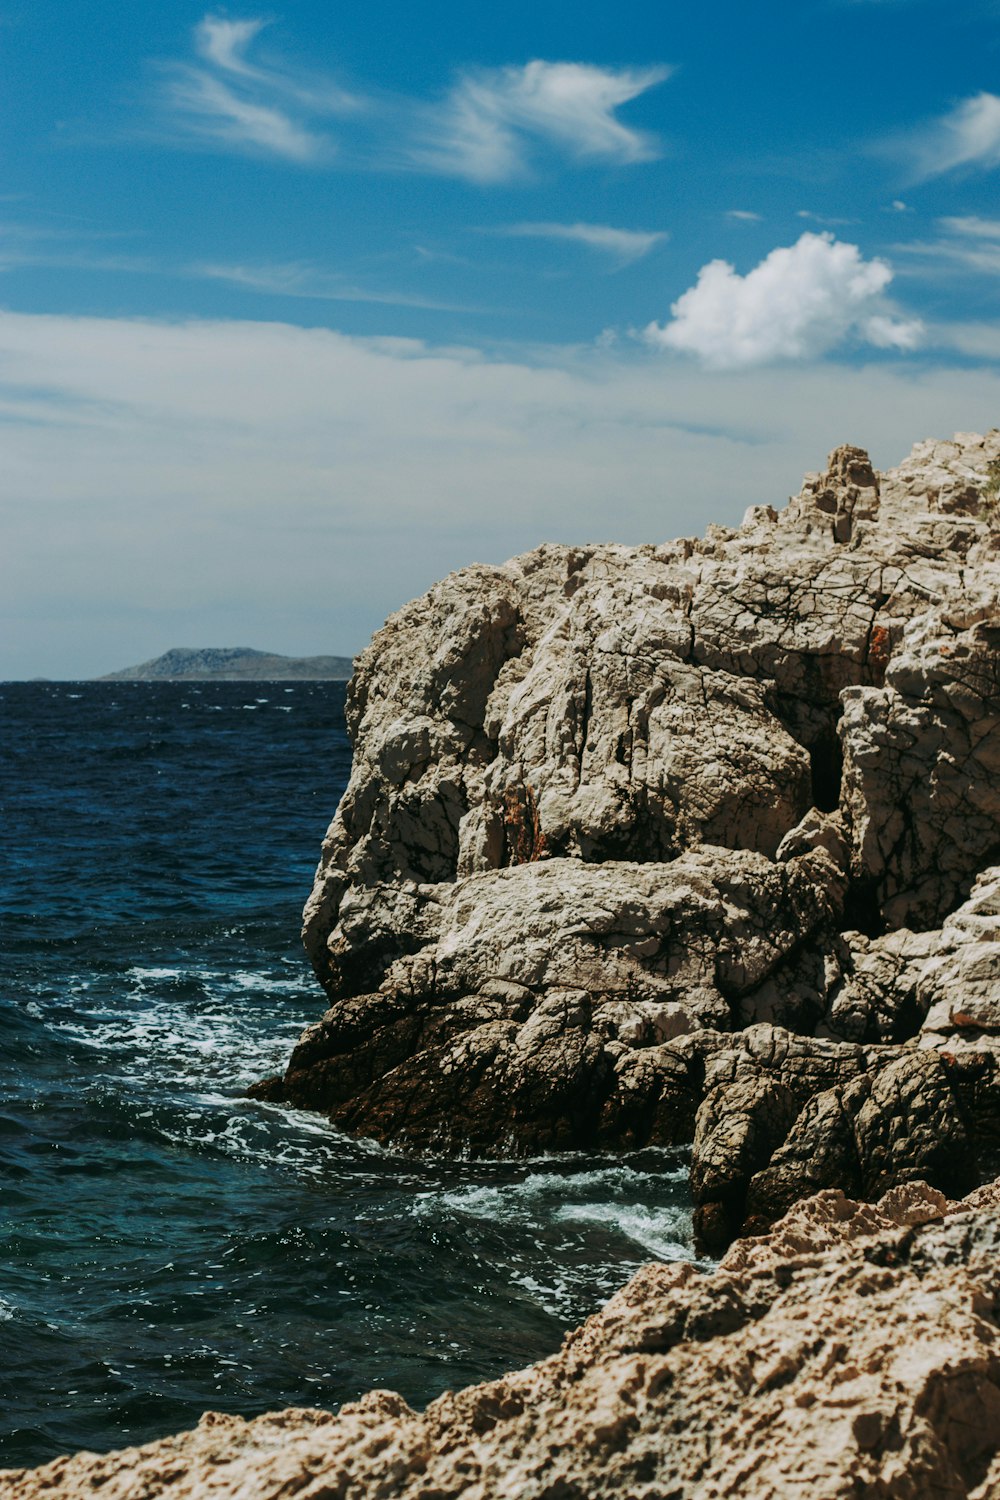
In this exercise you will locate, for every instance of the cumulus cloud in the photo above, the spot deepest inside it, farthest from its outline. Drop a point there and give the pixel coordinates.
(967, 138)
(486, 126)
(227, 100)
(624, 245)
(799, 302)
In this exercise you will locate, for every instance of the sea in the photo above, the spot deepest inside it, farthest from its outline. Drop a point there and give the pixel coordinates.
(168, 1246)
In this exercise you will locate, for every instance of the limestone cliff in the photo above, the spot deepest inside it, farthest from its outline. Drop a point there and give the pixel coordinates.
(854, 1351)
(692, 841)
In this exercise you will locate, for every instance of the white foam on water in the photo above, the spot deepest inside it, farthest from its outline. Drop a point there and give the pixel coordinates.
(210, 1040)
(516, 1202)
(247, 979)
(664, 1233)
(7, 1310)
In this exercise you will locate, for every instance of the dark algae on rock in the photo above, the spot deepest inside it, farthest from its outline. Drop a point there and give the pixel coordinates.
(686, 842)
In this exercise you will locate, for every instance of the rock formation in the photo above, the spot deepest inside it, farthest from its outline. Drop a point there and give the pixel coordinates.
(695, 841)
(769, 1379)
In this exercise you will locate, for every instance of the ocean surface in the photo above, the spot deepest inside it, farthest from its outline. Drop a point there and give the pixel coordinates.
(167, 1246)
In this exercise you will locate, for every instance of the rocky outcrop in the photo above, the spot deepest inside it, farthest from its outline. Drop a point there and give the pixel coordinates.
(772, 1377)
(698, 841)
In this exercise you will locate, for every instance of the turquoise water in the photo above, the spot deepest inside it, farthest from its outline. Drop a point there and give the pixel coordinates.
(167, 1245)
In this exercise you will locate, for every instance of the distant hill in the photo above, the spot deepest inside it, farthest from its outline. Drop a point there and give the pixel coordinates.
(234, 664)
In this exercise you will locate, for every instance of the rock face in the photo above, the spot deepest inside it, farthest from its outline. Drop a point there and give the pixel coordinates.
(769, 1379)
(690, 841)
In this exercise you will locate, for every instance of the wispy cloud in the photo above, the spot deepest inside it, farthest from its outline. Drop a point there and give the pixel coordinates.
(744, 215)
(299, 279)
(798, 303)
(487, 126)
(225, 43)
(968, 244)
(207, 108)
(972, 226)
(966, 139)
(625, 245)
(231, 94)
(265, 107)
(78, 250)
(828, 219)
(73, 248)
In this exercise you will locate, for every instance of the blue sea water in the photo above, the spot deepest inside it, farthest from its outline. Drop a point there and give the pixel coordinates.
(166, 1245)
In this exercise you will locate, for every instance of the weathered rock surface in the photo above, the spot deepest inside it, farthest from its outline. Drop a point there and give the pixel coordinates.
(698, 840)
(853, 1351)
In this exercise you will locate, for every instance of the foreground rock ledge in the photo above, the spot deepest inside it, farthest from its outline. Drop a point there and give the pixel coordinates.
(855, 1350)
(689, 842)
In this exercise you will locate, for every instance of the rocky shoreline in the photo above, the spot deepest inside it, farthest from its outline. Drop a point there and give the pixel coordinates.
(854, 1350)
(690, 842)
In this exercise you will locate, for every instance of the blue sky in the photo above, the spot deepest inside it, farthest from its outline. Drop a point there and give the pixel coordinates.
(303, 307)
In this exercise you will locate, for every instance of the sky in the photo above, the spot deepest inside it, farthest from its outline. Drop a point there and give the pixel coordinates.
(302, 308)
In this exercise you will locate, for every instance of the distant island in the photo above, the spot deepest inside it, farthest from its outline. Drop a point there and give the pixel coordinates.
(233, 664)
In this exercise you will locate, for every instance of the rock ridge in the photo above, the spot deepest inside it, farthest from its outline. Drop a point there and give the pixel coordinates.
(233, 664)
(696, 841)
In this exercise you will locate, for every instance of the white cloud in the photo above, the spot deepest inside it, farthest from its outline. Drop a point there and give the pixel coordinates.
(224, 43)
(299, 279)
(234, 96)
(323, 480)
(624, 244)
(484, 129)
(979, 340)
(798, 303)
(745, 214)
(271, 109)
(968, 137)
(972, 226)
(829, 219)
(968, 244)
(208, 108)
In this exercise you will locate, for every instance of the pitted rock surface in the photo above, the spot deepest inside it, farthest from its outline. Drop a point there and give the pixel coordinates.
(618, 812)
(853, 1351)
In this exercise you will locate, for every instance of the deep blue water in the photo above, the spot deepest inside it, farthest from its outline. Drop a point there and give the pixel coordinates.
(165, 1244)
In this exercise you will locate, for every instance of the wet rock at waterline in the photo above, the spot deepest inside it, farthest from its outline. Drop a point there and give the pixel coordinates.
(693, 841)
(772, 1376)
